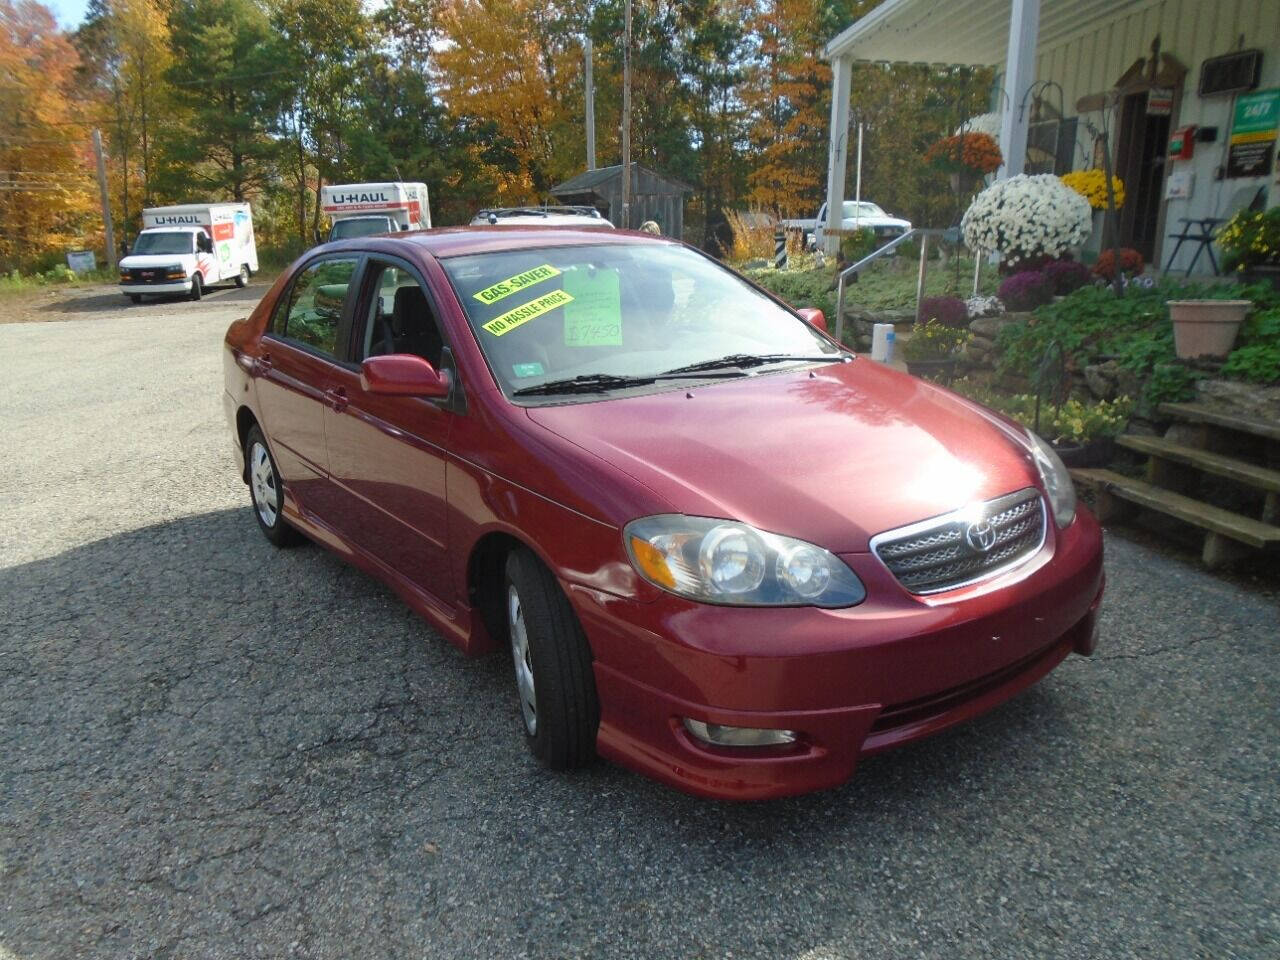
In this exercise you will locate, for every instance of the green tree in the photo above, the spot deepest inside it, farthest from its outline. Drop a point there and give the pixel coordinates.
(226, 78)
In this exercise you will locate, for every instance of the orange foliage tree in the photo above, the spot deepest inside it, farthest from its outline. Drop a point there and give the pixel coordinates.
(510, 64)
(46, 191)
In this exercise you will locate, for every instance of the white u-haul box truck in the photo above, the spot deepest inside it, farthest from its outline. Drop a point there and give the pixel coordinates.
(189, 248)
(363, 209)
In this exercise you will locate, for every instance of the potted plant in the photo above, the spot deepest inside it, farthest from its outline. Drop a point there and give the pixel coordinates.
(1125, 259)
(1206, 328)
(933, 349)
(1250, 243)
(1083, 434)
(1026, 219)
(1092, 185)
(967, 157)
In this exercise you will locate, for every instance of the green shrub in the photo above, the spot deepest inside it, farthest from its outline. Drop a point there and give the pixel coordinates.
(1170, 383)
(1074, 421)
(1134, 327)
(1259, 363)
(857, 245)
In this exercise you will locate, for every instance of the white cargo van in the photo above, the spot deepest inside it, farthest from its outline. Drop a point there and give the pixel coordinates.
(188, 248)
(363, 209)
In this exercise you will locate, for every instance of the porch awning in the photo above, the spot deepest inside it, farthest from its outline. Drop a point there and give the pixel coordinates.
(969, 32)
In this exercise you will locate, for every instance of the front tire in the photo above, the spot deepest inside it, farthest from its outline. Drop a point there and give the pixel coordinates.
(135, 297)
(242, 278)
(554, 682)
(266, 490)
(197, 286)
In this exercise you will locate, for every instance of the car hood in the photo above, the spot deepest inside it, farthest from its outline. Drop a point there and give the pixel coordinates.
(832, 454)
(143, 260)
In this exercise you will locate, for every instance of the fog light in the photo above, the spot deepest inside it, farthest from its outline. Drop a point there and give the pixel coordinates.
(719, 735)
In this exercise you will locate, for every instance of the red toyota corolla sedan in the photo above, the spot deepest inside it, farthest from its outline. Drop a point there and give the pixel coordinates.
(722, 550)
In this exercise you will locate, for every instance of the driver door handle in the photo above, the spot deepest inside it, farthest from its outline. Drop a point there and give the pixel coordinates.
(337, 397)
(264, 364)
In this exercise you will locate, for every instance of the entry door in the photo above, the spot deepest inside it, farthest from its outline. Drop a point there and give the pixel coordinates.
(387, 455)
(1140, 163)
(297, 372)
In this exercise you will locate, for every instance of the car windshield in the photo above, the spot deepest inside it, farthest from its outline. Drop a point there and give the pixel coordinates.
(854, 209)
(359, 227)
(164, 241)
(620, 310)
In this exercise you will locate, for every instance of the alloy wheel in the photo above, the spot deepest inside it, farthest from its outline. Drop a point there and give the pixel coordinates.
(262, 480)
(523, 660)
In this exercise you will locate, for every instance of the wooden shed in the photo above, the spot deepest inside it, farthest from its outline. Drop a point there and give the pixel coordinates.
(653, 197)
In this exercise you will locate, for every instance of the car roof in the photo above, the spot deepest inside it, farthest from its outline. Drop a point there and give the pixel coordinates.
(461, 241)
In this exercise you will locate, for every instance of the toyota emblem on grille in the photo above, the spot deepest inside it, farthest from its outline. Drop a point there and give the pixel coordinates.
(980, 535)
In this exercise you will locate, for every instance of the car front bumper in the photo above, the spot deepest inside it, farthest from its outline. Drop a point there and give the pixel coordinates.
(175, 286)
(851, 682)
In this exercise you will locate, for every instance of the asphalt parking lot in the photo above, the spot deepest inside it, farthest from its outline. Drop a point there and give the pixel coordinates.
(210, 748)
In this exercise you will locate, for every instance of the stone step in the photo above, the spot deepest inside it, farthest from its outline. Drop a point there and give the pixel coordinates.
(1249, 474)
(1227, 534)
(1199, 413)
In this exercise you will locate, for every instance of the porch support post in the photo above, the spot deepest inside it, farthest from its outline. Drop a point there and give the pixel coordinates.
(837, 153)
(1019, 75)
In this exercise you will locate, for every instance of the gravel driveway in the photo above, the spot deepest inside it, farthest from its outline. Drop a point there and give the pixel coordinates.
(209, 748)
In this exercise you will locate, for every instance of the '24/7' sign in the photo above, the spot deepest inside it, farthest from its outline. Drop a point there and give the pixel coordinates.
(1253, 134)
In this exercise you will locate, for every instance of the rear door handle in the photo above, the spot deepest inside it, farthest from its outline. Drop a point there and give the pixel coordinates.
(337, 398)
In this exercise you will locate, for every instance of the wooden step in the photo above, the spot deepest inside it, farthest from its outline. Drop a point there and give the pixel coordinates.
(1246, 530)
(1199, 413)
(1249, 474)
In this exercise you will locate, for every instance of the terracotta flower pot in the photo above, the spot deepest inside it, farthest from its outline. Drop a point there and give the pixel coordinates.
(1206, 328)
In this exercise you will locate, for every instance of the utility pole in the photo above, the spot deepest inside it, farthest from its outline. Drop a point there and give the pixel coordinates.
(106, 201)
(626, 121)
(591, 109)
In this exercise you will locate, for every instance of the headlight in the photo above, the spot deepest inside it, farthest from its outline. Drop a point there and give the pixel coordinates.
(721, 561)
(1057, 482)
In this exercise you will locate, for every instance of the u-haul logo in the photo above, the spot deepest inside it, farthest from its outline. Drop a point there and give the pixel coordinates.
(176, 219)
(343, 198)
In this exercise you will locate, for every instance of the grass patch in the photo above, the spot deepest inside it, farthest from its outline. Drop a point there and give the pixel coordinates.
(883, 286)
(60, 276)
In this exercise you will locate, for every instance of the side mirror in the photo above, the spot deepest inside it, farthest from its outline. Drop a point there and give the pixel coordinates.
(814, 317)
(404, 375)
(204, 243)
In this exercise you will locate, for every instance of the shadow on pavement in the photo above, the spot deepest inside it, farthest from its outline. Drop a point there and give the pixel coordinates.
(109, 300)
(212, 746)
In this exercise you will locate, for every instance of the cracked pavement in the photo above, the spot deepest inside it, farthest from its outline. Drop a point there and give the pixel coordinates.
(211, 748)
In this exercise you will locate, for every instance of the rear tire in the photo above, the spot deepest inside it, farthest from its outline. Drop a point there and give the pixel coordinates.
(242, 278)
(197, 286)
(554, 682)
(267, 491)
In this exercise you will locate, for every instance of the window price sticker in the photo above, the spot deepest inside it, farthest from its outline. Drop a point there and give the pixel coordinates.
(594, 318)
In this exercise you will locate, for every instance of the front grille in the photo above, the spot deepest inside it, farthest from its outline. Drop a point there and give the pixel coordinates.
(149, 274)
(948, 551)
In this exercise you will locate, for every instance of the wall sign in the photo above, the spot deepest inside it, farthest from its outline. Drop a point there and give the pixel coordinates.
(1253, 133)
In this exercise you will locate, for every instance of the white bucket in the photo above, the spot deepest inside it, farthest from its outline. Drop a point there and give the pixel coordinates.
(882, 338)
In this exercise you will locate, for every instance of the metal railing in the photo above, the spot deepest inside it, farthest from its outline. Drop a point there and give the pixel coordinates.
(853, 269)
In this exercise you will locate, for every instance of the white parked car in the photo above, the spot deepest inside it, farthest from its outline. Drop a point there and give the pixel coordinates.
(860, 215)
(541, 217)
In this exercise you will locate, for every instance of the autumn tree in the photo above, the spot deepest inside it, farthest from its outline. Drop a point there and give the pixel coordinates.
(46, 195)
(513, 64)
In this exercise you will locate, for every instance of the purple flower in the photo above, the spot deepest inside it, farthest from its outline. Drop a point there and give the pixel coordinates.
(1026, 290)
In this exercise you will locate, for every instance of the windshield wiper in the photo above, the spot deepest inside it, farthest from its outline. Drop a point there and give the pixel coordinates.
(744, 360)
(600, 382)
(585, 383)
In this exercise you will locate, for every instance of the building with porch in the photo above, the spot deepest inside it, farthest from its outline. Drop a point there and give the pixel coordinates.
(1184, 93)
